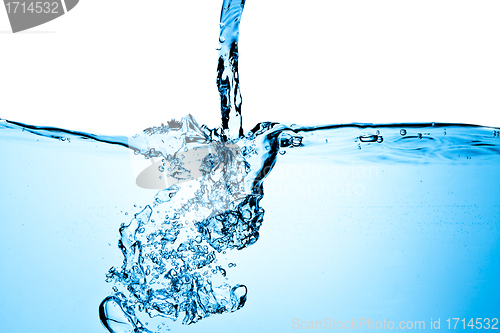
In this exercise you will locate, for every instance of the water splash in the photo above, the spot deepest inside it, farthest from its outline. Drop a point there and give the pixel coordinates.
(172, 247)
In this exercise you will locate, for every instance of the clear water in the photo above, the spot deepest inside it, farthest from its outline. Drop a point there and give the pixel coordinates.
(166, 230)
(403, 229)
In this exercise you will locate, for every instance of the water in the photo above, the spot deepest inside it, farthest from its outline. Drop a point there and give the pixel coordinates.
(228, 80)
(166, 230)
(402, 229)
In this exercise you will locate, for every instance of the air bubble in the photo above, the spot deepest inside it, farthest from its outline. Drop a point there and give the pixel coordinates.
(402, 132)
(368, 138)
(246, 214)
(296, 141)
(166, 194)
(114, 318)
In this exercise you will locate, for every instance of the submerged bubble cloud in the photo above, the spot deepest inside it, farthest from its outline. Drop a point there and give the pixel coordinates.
(171, 248)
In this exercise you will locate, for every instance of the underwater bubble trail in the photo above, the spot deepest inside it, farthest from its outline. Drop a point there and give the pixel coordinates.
(171, 266)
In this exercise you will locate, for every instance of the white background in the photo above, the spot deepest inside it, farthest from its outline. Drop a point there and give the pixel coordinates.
(119, 66)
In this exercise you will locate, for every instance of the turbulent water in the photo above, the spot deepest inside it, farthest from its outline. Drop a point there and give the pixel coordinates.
(209, 185)
(208, 202)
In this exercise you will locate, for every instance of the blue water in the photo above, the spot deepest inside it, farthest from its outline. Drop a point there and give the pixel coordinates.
(228, 81)
(403, 228)
(281, 228)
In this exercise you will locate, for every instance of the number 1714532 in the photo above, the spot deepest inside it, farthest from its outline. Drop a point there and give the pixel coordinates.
(33, 7)
(473, 323)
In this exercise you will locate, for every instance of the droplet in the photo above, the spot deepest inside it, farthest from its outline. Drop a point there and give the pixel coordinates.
(419, 136)
(380, 139)
(222, 39)
(402, 132)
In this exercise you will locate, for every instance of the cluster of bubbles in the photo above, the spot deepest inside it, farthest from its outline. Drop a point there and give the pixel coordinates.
(172, 248)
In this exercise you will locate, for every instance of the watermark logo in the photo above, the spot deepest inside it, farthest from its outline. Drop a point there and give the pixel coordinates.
(364, 324)
(26, 14)
(324, 180)
(185, 165)
(213, 172)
